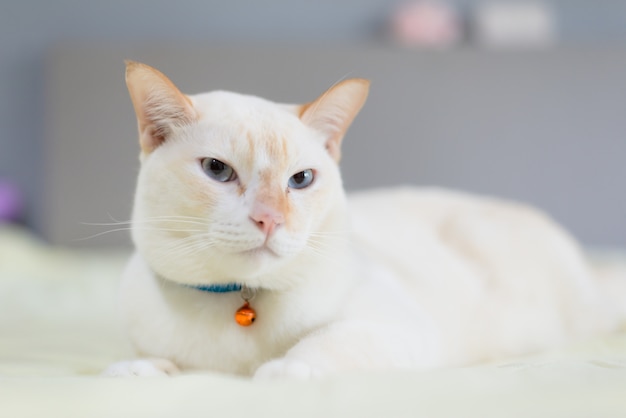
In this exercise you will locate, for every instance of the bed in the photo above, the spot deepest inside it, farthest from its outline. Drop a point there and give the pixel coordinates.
(58, 331)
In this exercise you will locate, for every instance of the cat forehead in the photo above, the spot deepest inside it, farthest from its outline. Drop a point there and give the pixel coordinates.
(254, 129)
(226, 106)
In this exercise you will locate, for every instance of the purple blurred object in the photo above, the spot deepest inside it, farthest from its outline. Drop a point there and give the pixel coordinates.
(10, 201)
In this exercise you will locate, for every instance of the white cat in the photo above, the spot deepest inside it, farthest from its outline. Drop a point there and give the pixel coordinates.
(250, 260)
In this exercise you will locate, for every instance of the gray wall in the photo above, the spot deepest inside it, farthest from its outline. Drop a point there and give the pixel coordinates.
(545, 127)
(28, 28)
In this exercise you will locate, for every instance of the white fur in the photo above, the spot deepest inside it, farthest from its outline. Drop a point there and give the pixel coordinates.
(391, 279)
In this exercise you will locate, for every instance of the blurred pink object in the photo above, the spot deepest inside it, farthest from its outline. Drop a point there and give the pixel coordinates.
(433, 24)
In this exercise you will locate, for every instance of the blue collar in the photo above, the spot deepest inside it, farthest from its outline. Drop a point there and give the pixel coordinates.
(210, 288)
(217, 288)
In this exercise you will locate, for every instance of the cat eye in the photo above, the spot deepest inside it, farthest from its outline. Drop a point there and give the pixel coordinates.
(301, 180)
(218, 170)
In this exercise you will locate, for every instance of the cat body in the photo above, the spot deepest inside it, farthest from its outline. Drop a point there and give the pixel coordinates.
(235, 189)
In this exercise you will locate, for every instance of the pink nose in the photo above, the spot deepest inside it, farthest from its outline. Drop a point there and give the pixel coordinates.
(266, 218)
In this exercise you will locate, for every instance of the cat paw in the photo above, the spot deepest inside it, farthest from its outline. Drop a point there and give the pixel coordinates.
(142, 368)
(281, 368)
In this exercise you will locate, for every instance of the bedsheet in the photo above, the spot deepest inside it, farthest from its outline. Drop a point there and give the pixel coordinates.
(58, 330)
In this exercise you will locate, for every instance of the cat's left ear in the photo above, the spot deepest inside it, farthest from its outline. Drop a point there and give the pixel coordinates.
(333, 112)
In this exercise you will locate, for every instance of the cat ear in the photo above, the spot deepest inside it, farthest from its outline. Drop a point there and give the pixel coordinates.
(333, 112)
(158, 104)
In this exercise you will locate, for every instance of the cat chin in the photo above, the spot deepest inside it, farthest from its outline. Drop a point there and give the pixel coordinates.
(241, 266)
(255, 262)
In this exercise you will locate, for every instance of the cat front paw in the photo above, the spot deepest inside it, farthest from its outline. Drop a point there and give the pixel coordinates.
(281, 368)
(141, 368)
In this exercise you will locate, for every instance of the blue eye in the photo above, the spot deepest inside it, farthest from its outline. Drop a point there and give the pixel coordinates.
(218, 170)
(301, 180)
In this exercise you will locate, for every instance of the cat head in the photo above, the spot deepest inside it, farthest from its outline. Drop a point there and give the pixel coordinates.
(235, 188)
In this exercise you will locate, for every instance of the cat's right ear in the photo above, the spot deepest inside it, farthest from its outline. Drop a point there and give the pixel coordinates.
(333, 112)
(158, 104)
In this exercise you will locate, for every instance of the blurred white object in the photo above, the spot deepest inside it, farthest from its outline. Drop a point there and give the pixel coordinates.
(426, 23)
(514, 24)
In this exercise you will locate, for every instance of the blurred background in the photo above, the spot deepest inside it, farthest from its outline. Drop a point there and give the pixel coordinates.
(519, 99)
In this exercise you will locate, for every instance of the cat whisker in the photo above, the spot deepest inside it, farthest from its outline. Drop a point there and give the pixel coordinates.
(197, 218)
(330, 234)
(102, 233)
(130, 228)
(325, 240)
(134, 222)
(181, 219)
(106, 223)
(322, 251)
(187, 246)
(184, 247)
(146, 221)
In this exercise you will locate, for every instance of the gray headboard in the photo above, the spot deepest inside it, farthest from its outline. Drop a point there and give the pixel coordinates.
(546, 127)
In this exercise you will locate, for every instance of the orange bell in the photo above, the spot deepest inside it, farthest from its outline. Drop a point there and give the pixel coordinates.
(245, 315)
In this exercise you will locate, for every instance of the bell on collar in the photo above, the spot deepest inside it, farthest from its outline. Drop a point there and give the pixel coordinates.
(245, 315)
